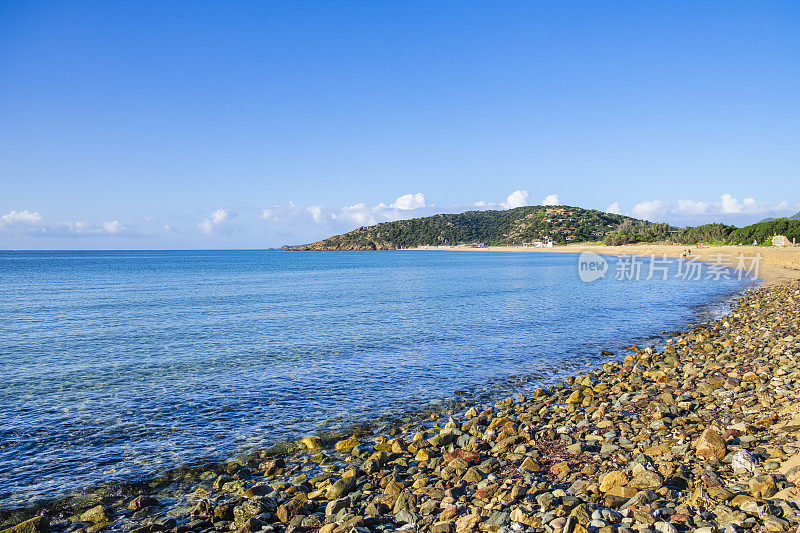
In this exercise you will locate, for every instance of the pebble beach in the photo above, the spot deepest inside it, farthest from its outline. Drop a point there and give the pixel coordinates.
(698, 433)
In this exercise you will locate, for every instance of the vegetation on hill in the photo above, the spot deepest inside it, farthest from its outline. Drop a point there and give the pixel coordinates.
(561, 224)
(762, 232)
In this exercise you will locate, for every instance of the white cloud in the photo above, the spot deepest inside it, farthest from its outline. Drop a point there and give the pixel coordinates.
(410, 201)
(358, 214)
(215, 221)
(112, 227)
(551, 199)
(481, 203)
(517, 198)
(316, 212)
(614, 209)
(732, 205)
(653, 210)
(25, 217)
(693, 208)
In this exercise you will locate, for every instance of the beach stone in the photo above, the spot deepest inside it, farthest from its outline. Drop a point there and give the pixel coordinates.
(406, 501)
(443, 527)
(574, 398)
(523, 516)
(252, 508)
(140, 502)
(529, 465)
(272, 466)
(346, 444)
(665, 527)
(613, 479)
(39, 524)
(646, 480)
(342, 487)
(467, 522)
(250, 525)
(311, 443)
(95, 515)
(711, 445)
(582, 513)
(335, 506)
(744, 462)
(287, 511)
(763, 486)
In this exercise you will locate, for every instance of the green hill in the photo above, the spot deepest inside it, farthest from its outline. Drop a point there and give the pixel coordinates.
(762, 232)
(562, 224)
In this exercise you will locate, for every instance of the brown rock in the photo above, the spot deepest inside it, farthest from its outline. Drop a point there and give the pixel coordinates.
(613, 479)
(140, 502)
(711, 445)
(763, 486)
(467, 522)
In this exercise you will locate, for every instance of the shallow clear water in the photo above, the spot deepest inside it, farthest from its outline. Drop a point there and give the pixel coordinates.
(117, 365)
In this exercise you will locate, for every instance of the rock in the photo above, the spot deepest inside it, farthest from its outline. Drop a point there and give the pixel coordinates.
(711, 445)
(272, 466)
(95, 515)
(39, 524)
(443, 527)
(406, 517)
(523, 516)
(311, 443)
(613, 479)
(529, 465)
(140, 502)
(343, 487)
(252, 508)
(257, 490)
(763, 486)
(743, 462)
(251, 525)
(467, 522)
(665, 527)
(287, 511)
(582, 513)
(646, 480)
(346, 444)
(406, 501)
(334, 506)
(575, 398)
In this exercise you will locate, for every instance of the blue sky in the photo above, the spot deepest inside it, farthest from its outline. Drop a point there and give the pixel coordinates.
(252, 124)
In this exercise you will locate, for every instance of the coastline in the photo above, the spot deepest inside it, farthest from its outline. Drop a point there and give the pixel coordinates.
(279, 488)
(778, 265)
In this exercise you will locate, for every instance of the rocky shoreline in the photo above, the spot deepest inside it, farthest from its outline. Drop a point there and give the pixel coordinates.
(698, 434)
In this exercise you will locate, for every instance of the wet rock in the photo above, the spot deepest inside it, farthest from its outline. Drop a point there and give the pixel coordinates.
(253, 508)
(95, 515)
(39, 524)
(342, 487)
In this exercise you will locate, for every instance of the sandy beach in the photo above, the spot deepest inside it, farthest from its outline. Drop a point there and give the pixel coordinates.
(777, 265)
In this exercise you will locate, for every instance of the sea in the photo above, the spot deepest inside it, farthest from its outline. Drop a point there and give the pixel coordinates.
(116, 366)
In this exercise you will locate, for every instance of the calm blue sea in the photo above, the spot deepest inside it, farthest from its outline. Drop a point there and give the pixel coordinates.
(118, 365)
